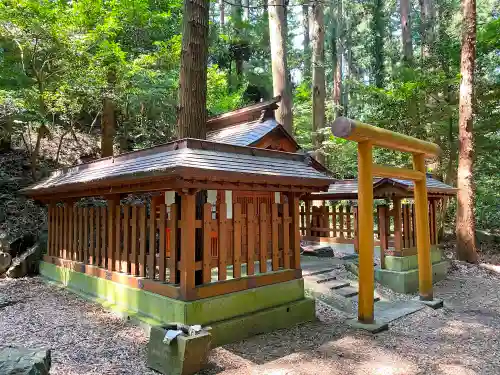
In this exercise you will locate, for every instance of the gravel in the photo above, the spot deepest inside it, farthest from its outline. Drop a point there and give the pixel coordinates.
(461, 338)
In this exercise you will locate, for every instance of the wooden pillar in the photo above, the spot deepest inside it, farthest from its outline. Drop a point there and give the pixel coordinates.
(382, 227)
(356, 231)
(365, 226)
(113, 202)
(423, 237)
(188, 233)
(308, 218)
(293, 200)
(398, 236)
(52, 229)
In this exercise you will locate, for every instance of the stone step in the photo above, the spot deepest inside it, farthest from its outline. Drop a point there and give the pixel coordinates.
(336, 284)
(316, 271)
(347, 291)
(356, 298)
(322, 277)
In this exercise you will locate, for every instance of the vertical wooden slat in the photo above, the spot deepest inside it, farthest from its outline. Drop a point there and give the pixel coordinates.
(413, 242)
(434, 222)
(237, 240)
(188, 238)
(172, 226)
(263, 239)
(74, 228)
(302, 220)
(250, 239)
(91, 236)
(398, 238)
(142, 235)
(308, 218)
(286, 237)
(85, 235)
(117, 234)
(334, 220)
(104, 237)
(406, 229)
(348, 222)
(152, 243)
(162, 251)
(356, 234)
(125, 266)
(295, 235)
(134, 241)
(97, 251)
(60, 231)
(223, 241)
(341, 221)
(65, 231)
(275, 237)
(207, 256)
(80, 234)
(382, 211)
(111, 238)
(50, 228)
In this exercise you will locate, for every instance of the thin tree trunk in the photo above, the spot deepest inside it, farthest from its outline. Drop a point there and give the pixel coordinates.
(246, 10)
(318, 76)
(192, 116)
(378, 26)
(466, 223)
(427, 24)
(406, 31)
(337, 54)
(277, 36)
(108, 127)
(42, 132)
(222, 13)
(306, 44)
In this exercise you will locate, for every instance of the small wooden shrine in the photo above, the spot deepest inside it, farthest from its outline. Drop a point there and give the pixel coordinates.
(188, 240)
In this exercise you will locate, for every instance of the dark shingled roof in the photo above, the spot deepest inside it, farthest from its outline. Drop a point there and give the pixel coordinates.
(187, 158)
(348, 189)
(249, 133)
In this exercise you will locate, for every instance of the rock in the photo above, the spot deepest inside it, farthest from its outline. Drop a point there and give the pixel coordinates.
(5, 261)
(26, 263)
(16, 246)
(483, 236)
(317, 250)
(24, 361)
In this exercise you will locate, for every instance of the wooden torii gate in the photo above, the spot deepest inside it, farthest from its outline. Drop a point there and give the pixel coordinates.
(368, 136)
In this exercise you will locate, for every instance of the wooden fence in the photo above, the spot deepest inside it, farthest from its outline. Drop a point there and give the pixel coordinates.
(336, 222)
(251, 242)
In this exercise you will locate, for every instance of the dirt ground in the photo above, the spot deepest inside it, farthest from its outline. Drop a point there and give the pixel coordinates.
(461, 338)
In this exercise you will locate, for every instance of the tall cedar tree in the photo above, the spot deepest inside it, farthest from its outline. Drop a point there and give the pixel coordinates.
(306, 44)
(318, 76)
(466, 224)
(406, 31)
(192, 116)
(378, 28)
(281, 84)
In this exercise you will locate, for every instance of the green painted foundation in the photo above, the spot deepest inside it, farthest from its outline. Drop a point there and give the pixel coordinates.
(407, 281)
(232, 316)
(407, 263)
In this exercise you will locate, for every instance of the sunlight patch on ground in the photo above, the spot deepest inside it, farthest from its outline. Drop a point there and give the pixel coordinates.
(455, 370)
(460, 328)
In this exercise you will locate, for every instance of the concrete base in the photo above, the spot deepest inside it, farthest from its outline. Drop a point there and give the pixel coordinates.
(374, 327)
(232, 316)
(407, 281)
(435, 303)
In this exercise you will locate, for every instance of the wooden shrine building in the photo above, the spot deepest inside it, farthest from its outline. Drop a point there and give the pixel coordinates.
(145, 231)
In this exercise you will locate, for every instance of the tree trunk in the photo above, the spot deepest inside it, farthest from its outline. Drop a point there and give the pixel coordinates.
(246, 10)
(108, 127)
(222, 13)
(427, 23)
(378, 26)
(306, 44)
(277, 37)
(318, 76)
(466, 223)
(337, 59)
(406, 31)
(192, 116)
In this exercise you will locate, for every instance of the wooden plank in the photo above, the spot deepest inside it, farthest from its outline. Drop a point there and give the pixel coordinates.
(80, 234)
(104, 236)
(250, 239)
(98, 213)
(112, 203)
(172, 226)
(341, 221)
(50, 229)
(406, 229)
(263, 239)
(435, 238)
(65, 232)
(308, 218)
(223, 241)
(295, 235)
(275, 237)
(92, 236)
(382, 211)
(142, 235)
(334, 220)
(348, 222)
(237, 240)
(58, 252)
(85, 213)
(286, 236)
(118, 239)
(355, 216)
(74, 248)
(152, 242)
(398, 237)
(134, 242)
(162, 250)
(207, 256)
(188, 237)
(125, 266)
(413, 238)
